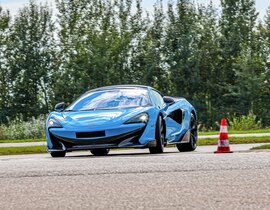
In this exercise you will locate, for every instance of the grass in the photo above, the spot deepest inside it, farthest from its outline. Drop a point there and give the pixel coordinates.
(200, 133)
(209, 141)
(265, 130)
(266, 146)
(22, 140)
(22, 150)
(19, 129)
(236, 140)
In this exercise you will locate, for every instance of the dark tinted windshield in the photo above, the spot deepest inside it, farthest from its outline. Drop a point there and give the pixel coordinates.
(111, 99)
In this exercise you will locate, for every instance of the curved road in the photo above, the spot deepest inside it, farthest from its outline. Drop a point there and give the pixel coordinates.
(134, 179)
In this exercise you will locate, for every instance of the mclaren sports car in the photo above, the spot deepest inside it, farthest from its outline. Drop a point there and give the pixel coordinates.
(123, 116)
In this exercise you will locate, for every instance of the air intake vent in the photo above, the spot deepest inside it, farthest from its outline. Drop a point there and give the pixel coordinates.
(90, 134)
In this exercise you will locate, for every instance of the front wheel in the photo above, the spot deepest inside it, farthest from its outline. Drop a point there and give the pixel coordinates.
(100, 152)
(160, 137)
(58, 154)
(192, 144)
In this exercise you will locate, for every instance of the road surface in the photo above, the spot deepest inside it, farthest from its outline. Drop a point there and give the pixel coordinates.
(134, 179)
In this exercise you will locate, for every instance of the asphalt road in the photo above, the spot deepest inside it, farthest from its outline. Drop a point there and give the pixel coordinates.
(134, 179)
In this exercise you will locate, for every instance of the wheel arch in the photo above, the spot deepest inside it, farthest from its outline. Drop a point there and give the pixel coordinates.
(164, 123)
(195, 114)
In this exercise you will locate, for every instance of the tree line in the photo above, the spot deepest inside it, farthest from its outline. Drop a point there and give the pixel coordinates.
(216, 57)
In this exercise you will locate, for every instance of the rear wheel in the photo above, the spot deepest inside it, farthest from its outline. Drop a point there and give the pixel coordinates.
(192, 144)
(58, 154)
(160, 137)
(100, 152)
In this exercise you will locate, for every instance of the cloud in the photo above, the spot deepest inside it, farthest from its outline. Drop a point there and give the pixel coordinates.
(14, 5)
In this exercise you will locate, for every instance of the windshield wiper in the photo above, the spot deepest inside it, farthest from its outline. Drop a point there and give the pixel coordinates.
(71, 110)
(85, 110)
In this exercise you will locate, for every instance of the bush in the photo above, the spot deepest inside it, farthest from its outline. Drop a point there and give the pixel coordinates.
(19, 129)
(244, 122)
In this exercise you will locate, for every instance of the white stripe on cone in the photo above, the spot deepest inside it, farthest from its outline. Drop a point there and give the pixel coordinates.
(223, 129)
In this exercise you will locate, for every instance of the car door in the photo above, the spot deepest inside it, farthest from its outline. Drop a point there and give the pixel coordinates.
(172, 126)
(174, 119)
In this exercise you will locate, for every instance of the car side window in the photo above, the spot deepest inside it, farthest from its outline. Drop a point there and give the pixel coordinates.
(157, 98)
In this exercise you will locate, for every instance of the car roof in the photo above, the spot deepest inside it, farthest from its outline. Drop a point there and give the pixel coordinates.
(124, 86)
(121, 86)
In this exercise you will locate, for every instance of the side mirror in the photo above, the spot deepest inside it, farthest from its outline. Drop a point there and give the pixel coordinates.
(59, 107)
(168, 100)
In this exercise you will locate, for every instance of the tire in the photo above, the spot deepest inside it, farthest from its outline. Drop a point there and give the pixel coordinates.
(160, 137)
(100, 152)
(192, 144)
(58, 154)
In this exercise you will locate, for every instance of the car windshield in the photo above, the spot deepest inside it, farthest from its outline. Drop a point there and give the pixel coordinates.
(111, 99)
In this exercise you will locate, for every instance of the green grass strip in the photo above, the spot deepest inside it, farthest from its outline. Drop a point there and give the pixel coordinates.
(266, 146)
(209, 141)
(22, 140)
(22, 150)
(265, 130)
(236, 140)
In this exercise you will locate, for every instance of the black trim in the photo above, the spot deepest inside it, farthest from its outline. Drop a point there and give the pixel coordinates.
(90, 134)
(130, 139)
(55, 142)
(106, 146)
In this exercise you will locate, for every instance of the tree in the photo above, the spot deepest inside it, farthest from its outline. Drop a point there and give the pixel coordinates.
(73, 53)
(237, 23)
(260, 99)
(149, 57)
(97, 39)
(30, 59)
(4, 71)
(209, 55)
(219, 63)
(181, 48)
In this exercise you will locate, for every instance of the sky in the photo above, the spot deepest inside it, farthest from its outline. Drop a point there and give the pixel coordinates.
(14, 5)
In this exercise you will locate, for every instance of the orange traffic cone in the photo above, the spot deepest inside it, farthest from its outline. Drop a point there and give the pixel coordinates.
(223, 141)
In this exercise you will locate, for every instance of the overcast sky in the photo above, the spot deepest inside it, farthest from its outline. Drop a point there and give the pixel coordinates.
(14, 5)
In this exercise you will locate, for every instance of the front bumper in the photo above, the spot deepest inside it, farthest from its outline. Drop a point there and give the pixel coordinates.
(128, 139)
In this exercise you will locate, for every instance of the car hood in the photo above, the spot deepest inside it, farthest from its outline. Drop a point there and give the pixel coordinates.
(100, 117)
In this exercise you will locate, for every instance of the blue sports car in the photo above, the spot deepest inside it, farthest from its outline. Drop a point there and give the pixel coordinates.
(123, 116)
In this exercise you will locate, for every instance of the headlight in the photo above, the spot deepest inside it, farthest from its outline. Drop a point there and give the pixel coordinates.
(53, 123)
(141, 118)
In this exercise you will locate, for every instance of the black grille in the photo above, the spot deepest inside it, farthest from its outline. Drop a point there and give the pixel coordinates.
(90, 134)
